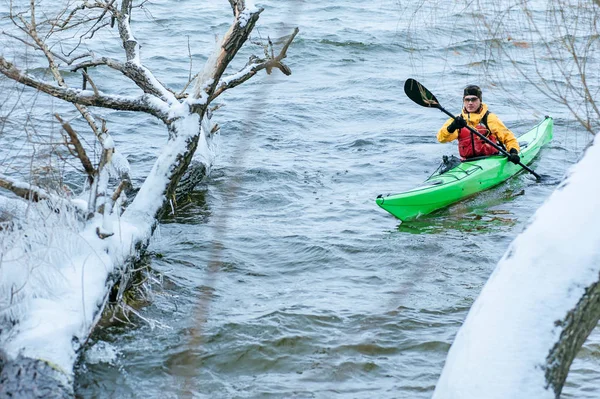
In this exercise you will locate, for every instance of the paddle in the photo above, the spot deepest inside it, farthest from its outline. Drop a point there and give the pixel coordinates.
(420, 95)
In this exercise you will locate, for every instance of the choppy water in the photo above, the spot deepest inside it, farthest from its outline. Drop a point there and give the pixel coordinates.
(281, 277)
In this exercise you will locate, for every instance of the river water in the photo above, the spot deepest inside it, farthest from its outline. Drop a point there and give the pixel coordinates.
(281, 278)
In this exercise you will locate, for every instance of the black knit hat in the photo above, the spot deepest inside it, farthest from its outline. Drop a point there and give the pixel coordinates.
(472, 90)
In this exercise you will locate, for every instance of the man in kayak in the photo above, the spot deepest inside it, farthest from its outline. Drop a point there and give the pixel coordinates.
(476, 115)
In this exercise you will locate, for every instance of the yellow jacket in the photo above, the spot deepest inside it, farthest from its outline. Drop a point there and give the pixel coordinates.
(495, 125)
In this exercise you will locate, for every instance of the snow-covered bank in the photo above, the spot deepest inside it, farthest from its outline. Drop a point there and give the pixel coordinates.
(503, 348)
(56, 272)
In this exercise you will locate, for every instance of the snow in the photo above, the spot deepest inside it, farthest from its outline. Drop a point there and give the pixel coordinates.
(207, 147)
(501, 349)
(178, 110)
(59, 283)
(156, 103)
(120, 164)
(145, 205)
(53, 265)
(249, 9)
(11, 208)
(53, 280)
(130, 38)
(244, 17)
(22, 185)
(61, 288)
(170, 97)
(230, 78)
(108, 143)
(102, 352)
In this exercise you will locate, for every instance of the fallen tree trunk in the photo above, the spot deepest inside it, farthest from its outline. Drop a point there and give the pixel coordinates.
(540, 304)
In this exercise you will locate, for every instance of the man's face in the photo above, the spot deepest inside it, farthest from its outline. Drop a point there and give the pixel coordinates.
(471, 103)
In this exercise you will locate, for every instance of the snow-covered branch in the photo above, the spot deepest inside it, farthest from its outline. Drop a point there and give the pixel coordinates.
(540, 304)
(138, 74)
(144, 103)
(78, 149)
(238, 33)
(30, 192)
(23, 190)
(133, 68)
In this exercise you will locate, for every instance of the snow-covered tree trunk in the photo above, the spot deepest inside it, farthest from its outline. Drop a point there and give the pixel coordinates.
(540, 304)
(60, 254)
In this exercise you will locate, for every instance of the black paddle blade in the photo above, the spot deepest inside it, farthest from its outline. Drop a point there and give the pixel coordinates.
(419, 94)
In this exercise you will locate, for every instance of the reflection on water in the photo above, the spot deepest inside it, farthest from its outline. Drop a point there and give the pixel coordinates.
(438, 223)
(473, 215)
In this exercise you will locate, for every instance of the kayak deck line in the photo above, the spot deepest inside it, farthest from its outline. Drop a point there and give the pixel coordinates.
(467, 178)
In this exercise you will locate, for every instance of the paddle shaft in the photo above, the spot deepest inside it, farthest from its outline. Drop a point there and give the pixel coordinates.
(502, 150)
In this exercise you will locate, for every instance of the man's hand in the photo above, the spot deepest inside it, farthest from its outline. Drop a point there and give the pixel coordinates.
(458, 123)
(513, 156)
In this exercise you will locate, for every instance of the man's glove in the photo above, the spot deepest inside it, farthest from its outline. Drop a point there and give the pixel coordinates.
(513, 156)
(458, 123)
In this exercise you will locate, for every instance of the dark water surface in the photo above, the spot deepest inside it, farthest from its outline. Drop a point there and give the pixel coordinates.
(281, 276)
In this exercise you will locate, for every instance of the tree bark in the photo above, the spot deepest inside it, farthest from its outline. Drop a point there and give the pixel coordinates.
(25, 378)
(576, 327)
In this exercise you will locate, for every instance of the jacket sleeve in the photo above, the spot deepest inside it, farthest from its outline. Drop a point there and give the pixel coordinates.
(444, 136)
(504, 135)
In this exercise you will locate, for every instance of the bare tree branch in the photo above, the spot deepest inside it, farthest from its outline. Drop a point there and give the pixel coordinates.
(254, 67)
(572, 41)
(79, 150)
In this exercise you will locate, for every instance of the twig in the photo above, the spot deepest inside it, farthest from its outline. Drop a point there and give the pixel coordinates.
(255, 66)
(80, 151)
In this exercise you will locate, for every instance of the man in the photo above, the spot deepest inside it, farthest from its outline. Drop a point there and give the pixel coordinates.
(476, 115)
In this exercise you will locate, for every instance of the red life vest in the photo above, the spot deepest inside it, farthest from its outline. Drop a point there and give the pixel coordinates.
(470, 145)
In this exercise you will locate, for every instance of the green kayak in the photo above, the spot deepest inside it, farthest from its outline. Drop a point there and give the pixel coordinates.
(466, 179)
